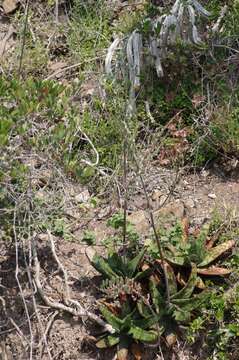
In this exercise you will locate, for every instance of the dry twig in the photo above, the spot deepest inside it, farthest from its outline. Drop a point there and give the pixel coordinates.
(76, 309)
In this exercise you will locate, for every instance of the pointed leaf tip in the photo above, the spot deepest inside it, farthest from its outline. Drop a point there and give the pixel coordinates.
(216, 252)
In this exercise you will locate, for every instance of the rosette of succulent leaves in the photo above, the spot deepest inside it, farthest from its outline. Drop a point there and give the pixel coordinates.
(163, 31)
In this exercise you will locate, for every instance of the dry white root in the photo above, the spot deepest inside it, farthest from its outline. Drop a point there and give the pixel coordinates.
(68, 305)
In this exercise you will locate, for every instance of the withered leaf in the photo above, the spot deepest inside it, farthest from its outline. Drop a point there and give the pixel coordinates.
(217, 251)
(214, 271)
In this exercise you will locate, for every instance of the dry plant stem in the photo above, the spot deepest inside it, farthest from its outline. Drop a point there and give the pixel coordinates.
(154, 230)
(77, 310)
(150, 213)
(29, 219)
(60, 267)
(125, 192)
(70, 67)
(57, 11)
(48, 328)
(24, 37)
(20, 287)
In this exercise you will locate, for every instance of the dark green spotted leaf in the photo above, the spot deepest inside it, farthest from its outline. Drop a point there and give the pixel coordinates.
(108, 341)
(133, 264)
(113, 320)
(215, 252)
(187, 290)
(144, 335)
(101, 265)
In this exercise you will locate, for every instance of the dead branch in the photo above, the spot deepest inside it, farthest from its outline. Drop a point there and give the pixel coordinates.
(76, 310)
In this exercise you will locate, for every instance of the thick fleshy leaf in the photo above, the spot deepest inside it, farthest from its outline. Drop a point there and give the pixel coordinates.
(116, 263)
(182, 316)
(143, 309)
(148, 323)
(143, 274)
(214, 271)
(187, 290)
(200, 8)
(214, 238)
(107, 341)
(200, 284)
(113, 320)
(216, 251)
(192, 303)
(111, 307)
(101, 265)
(134, 263)
(174, 257)
(172, 282)
(148, 336)
(157, 298)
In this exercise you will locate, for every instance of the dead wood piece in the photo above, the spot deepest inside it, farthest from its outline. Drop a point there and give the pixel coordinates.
(71, 306)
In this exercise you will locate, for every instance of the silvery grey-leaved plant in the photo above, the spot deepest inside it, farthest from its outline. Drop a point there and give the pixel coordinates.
(178, 25)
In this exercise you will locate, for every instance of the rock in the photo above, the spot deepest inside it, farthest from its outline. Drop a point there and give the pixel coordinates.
(189, 203)
(169, 213)
(9, 6)
(156, 195)
(42, 195)
(140, 221)
(212, 196)
(43, 237)
(90, 253)
(205, 173)
(157, 199)
(83, 197)
(55, 66)
(105, 212)
(171, 339)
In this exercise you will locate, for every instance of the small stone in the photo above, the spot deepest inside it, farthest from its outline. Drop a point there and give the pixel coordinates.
(140, 222)
(41, 195)
(171, 339)
(175, 209)
(205, 173)
(90, 253)
(43, 237)
(55, 66)
(9, 6)
(156, 195)
(212, 196)
(190, 203)
(83, 197)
